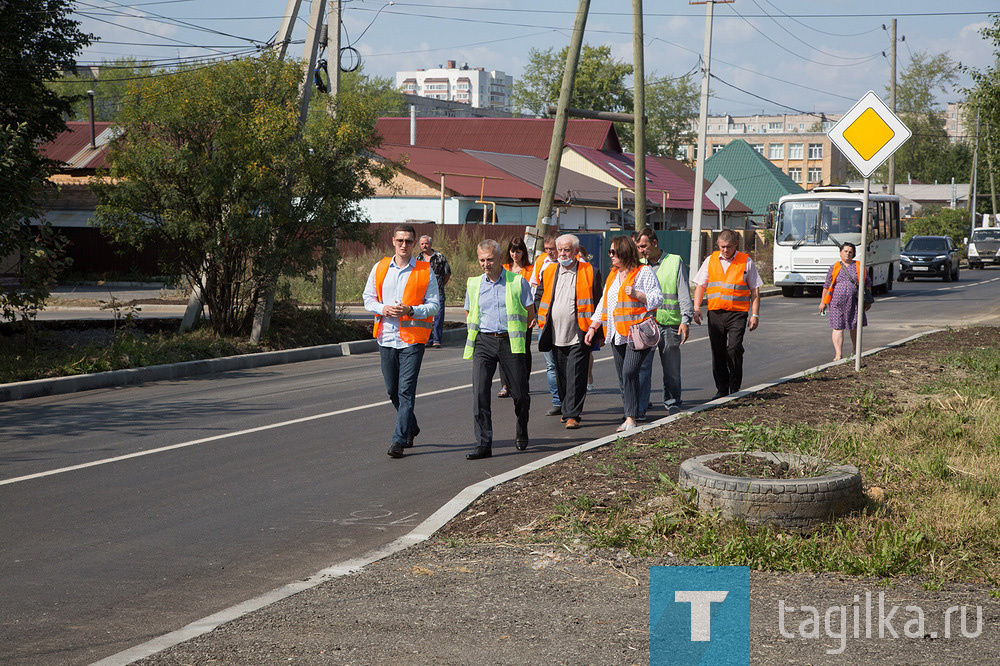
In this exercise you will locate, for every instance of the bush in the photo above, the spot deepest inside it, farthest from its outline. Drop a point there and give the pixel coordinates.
(934, 221)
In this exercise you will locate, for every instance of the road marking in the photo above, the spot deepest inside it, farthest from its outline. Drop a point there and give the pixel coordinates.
(249, 431)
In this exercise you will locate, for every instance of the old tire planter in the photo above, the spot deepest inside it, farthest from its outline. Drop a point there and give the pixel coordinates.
(798, 504)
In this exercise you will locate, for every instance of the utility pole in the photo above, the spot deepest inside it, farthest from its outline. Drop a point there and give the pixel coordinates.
(892, 102)
(975, 173)
(559, 127)
(699, 177)
(639, 112)
(333, 18)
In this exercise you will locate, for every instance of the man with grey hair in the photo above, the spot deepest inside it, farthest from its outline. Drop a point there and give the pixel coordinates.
(567, 293)
(498, 307)
(441, 270)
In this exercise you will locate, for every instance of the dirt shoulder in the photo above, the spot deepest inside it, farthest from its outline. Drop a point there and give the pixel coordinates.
(507, 582)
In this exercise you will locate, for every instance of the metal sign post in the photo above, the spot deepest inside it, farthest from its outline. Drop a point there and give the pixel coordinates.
(867, 135)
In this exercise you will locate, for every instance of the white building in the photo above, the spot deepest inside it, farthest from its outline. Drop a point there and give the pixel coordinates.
(473, 86)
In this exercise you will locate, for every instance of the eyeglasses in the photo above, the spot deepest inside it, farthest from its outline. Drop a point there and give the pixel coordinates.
(404, 241)
(611, 253)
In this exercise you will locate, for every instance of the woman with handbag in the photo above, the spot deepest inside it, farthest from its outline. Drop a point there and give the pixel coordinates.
(840, 295)
(627, 310)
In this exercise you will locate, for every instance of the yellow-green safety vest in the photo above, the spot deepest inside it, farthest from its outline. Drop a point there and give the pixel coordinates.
(669, 314)
(517, 314)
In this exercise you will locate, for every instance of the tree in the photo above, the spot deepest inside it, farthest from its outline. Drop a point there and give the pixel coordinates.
(110, 84)
(984, 106)
(40, 40)
(929, 155)
(599, 85)
(671, 104)
(212, 164)
(936, 221)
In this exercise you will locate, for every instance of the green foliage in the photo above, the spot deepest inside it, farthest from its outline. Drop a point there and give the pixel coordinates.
(110, 85)
(670, 106)
(225, 177)
(984, 107)
(935, 221)
(599, 85)
(40, 40)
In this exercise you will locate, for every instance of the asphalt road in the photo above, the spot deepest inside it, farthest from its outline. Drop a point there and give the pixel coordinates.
(249, 480)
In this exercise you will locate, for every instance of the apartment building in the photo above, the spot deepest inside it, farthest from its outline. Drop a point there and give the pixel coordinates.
(795, 143)
(954, 123)
(467, 85)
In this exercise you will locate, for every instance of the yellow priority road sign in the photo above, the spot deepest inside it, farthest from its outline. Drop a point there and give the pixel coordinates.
(869, 133)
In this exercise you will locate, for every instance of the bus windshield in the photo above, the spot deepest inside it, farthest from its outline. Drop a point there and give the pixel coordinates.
(821, 222)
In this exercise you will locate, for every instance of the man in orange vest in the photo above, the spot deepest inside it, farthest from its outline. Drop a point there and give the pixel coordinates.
(542, 262)
(565, 301)
(732, 284)
(402, 294)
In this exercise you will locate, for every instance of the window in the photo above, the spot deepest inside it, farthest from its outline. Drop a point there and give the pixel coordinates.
(815, 152)
(776, 151)
(774, 127)
(795, 151)
(716, 147)
(759, 147)
(795, 174)
(815, 175)
(802, 126)
(682, 152)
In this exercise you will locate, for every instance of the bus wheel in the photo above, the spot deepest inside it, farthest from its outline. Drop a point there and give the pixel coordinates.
(788, 292)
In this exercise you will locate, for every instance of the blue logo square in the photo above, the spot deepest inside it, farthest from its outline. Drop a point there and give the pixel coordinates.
(698, 615)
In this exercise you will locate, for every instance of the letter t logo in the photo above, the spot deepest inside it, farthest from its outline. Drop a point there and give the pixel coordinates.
(701, 610)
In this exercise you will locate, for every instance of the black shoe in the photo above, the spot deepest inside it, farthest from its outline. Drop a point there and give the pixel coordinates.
(718, 395)
(410, 438)
(396, 451)
(554, 410)
(480, 452)
(521, 443)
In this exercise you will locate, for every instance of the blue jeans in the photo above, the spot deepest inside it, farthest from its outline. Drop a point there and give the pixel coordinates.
(400, 368)
(552, 377)
(438, 329)
(670, 361)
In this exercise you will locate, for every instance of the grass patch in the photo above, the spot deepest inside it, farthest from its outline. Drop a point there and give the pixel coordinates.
(74, 348)
(932, 468)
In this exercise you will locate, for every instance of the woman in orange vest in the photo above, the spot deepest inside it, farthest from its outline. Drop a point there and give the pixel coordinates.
(517, 262)
(840, 295)
(631, 294)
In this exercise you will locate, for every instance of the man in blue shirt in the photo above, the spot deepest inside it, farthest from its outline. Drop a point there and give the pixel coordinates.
(403, 295)
(498, 306)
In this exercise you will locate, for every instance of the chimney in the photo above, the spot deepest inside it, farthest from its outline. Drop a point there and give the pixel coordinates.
(451, 64)
(413, 124)
(93, 132)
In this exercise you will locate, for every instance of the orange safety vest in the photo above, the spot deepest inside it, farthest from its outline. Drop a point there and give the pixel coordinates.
(524, 272)
(584, 294)
(536, 270)
(828, 293)
(629, 311)
(728, 290)
(411, 330)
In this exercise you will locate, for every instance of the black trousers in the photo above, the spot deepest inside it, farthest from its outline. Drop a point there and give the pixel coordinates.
(527, 348)
(725, 334)
(571, 376)
(491, 351)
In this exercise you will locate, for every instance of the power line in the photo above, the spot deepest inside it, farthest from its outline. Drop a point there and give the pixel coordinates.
(166, 19)
(802, 41)
(771, 101)
(824, 32)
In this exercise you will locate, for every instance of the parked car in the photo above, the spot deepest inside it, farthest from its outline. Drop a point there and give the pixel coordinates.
(930, 256)
(984, 247)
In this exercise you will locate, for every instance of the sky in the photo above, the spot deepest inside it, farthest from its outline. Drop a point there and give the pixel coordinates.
(769, 56)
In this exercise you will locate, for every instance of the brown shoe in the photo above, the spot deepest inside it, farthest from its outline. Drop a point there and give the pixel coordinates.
(572, 424)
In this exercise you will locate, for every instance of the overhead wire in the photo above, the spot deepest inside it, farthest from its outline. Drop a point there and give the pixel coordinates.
(802, 41)
(822, 32)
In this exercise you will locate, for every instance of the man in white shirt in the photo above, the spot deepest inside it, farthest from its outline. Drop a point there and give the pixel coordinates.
(403, 295)
(732, 284)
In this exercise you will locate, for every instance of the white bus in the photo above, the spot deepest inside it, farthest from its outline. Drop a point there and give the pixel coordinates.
(811, 227)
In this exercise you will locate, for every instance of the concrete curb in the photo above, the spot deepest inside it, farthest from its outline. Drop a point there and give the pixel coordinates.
(98, 380)
(432, 524)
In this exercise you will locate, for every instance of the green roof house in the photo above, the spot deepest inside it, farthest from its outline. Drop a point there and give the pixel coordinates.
(757, 181)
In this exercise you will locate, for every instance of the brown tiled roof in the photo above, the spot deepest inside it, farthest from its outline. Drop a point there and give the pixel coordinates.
(512, 136)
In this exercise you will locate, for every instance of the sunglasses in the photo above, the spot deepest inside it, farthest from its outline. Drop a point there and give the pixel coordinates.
(404, 241)
(611, 253)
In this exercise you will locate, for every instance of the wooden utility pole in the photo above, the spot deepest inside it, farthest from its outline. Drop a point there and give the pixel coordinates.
(892, 102)
(639, 112)
(559, 127)
(699, 177)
